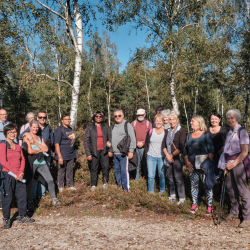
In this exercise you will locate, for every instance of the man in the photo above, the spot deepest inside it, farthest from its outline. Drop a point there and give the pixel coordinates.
(46, 132)
(158, 109)
(3, 123)
(141, 127)
(120, 160)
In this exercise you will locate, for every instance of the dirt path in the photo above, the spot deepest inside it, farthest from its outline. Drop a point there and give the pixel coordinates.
(97, 232)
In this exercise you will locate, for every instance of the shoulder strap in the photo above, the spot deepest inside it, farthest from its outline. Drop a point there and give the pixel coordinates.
(62, 130)
(134, 123)
(113, 126)
(150, 131)
(126, 128)
(50, 129)
(147, 124)
(238, 132)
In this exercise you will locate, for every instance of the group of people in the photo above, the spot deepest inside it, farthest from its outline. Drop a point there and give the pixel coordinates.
(25, 166)
(161, 145)
(164, 145)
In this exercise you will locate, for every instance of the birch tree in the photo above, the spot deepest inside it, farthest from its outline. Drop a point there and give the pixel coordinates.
(69, 12)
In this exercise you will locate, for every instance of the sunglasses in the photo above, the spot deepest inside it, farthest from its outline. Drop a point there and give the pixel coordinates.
(42, 117)
(140, 115)
(98, 116)
(118, 116)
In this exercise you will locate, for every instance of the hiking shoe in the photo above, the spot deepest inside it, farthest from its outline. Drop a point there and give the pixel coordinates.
(180, 203)
(60, 190)
(162, 194)
(172, 199)
(72, 188)
(244, 224)
(193, 209)
(209, 211)
(55, 202)
(30, 206)
(105, 185)
(24, 219)
(92, 188)
(229, 216)
(6, 223)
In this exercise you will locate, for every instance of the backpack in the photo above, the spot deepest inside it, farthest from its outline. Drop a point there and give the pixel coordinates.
(1, 168)
(238, 133)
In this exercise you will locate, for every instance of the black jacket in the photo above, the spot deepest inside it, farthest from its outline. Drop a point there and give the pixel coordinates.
(90, 139)
(147, 141)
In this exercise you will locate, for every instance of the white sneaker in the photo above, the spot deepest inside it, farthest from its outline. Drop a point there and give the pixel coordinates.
(60, 190)
(93, 188)
(72, 188)
(105, 185)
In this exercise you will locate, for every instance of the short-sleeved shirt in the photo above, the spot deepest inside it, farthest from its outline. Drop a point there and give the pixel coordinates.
(235, 142)
(67, 143)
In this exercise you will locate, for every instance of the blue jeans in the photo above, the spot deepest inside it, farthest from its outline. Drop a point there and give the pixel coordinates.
(142, 161)
(37, 187)
(151, 164)
(121, 171)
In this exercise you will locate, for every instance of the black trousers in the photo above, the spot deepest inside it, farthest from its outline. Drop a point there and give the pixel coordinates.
(11, 186)
(68, 168)
(103, 159)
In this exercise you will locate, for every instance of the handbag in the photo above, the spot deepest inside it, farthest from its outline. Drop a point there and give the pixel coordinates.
(182, 160)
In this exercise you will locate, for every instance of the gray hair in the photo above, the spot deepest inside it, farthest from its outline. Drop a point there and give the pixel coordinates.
(28, 115)
(166, 112)
(34, 122)
(234, 112)
(120, 110)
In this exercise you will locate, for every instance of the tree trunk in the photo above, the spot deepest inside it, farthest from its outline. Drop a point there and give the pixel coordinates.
(222, 109)
(172, 89)
(146, 85)
(109, 96)
(247, 97)
(184, 106)
(195, 100)
(78, 64)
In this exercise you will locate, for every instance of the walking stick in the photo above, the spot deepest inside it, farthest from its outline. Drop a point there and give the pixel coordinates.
(222, 197)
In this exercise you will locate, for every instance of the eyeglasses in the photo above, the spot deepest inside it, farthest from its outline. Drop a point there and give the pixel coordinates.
(117, 116)
(140, 115)
(11, 132)
(3, 114)
(67, 119)
(98, 116)
(42, 117)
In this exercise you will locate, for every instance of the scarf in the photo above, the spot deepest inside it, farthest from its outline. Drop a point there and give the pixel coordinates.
(222, 160)
(169, 141)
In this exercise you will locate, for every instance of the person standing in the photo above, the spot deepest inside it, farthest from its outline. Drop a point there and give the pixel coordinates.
(97, 145)
(158, 109)
(233, 159)
(166, 113)
(154, 154)
(198, 146)
(46, 132)
(3, 123)
(12, 159)
(141, 127)
(29, 117)
(120, 160)
(65, 153)
(173, 144)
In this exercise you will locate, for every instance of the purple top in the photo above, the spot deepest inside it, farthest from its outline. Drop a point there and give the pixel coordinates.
(235, 142)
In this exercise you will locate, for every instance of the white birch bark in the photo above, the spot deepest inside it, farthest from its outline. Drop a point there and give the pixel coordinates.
(146, 85)
(172, 90)
(222, 109)
(185, 110)
(195, 100)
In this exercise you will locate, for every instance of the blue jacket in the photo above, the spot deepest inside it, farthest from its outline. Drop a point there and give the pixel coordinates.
(209, 167)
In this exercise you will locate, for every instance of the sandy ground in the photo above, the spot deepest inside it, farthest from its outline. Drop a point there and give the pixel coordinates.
(58, 231)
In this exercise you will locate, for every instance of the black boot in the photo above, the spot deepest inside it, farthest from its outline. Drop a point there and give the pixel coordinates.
(24, 219)
(6, 223)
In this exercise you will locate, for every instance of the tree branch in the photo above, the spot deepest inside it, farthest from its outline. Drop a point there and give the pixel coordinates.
(47, 7)
(56, 80)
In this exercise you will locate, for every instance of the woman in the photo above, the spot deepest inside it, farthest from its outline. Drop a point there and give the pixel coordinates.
(155, 155)
(64, 139)
(166, 113)
(218, 134)
(36, 147)
(29, 117)
(12, 159)
(235, 152)
(98, 149)
(198, 146)
(173, 144)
